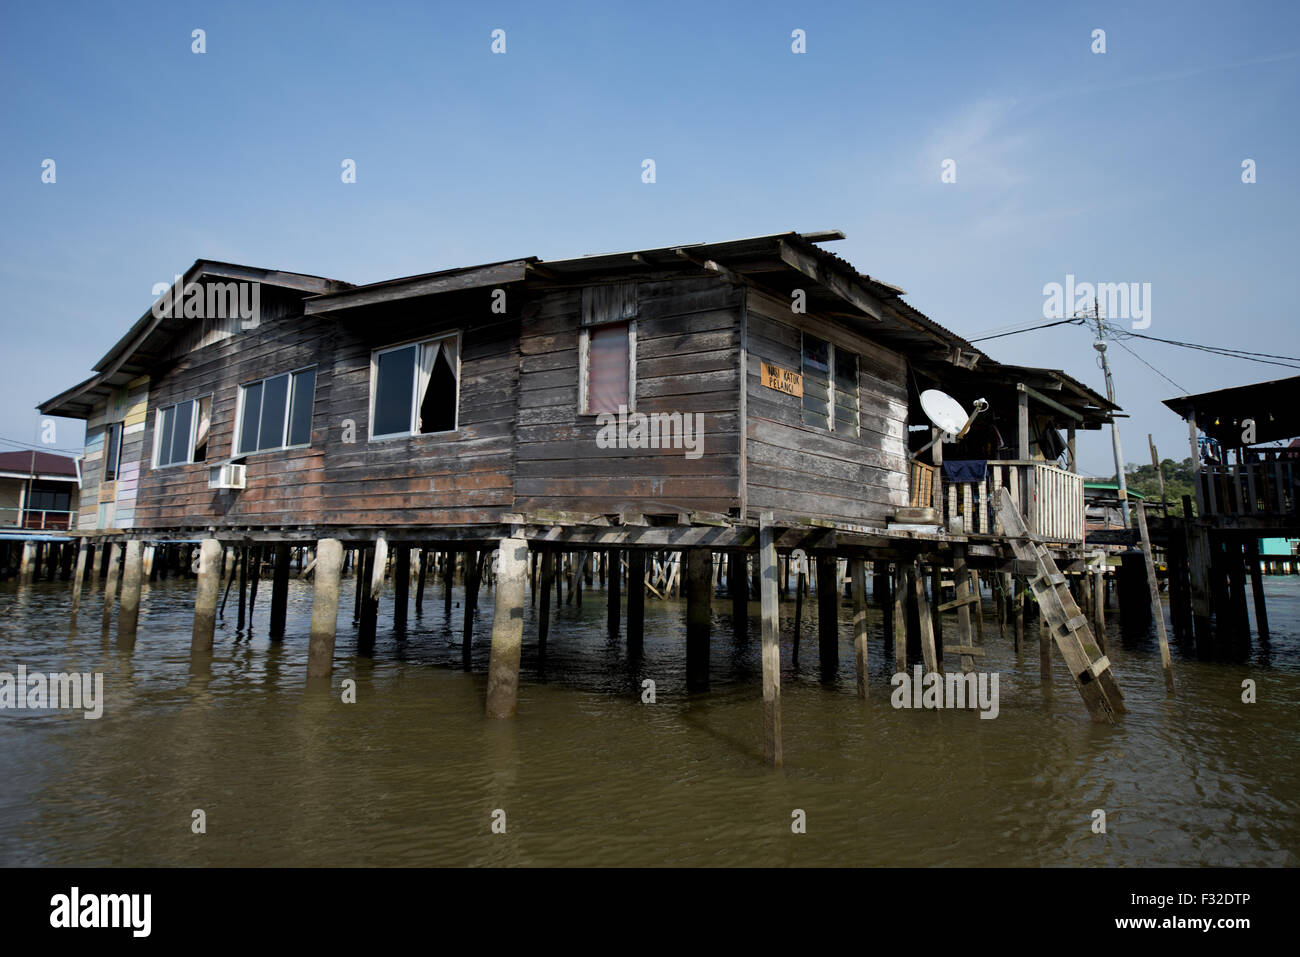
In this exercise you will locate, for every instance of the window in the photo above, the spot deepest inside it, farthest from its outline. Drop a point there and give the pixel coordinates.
(609, 368)
(173, 431)
(830, 387)
(415, 388)
(607, 348)
(112, 451)
(275, 413)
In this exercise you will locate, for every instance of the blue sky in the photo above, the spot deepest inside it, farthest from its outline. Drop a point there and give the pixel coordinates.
(1122, 166)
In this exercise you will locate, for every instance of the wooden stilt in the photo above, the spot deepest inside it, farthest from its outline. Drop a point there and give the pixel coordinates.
(858, 576)
(205, 599)
(547, 561)
(78, 577)
(614, 594)
(635, 601)
(699, 568)
(282, 555)
(471, 605)
(324, 608)
(128, 616)
(110, 584)
(419, 586)
(928, 652)
(507, 628)
(1157, 611)
(401, 587)
(828, 616)
(1257, 588)
(900, 617)
(771, 631)
(800, 587)
(368, 620)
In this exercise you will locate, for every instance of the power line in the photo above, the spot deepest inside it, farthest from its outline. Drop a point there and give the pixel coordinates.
(1264, 357)
(1013, 332)
(29, 447)
(1184, 391)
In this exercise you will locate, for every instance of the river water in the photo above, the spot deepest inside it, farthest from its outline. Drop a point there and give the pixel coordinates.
(412, 773)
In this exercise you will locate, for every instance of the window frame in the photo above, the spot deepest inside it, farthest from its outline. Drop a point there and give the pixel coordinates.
(831, 391)
(194, 425)
(584, 365)
(420, 343)
(238, 436)
(113, 433)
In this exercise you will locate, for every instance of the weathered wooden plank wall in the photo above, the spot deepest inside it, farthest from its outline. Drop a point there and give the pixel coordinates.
(687, 361)
(798, 470)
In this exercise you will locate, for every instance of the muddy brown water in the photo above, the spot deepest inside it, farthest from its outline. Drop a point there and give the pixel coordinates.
(588, 774)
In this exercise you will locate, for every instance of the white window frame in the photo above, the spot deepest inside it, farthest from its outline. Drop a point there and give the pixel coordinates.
(831, 349)
(421, 342)
(584, 365)
(157, 430)
(288, 411)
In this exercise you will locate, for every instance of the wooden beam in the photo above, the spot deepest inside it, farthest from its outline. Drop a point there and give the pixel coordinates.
(851, 292)
(419, 286)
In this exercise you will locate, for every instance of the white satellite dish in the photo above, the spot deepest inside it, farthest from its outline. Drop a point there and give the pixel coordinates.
(944, 411)
(947, 415)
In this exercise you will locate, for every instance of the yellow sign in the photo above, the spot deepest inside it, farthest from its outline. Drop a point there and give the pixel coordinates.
(782, 380)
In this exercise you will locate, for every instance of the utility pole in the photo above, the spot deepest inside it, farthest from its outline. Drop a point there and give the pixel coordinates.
(1100, 346)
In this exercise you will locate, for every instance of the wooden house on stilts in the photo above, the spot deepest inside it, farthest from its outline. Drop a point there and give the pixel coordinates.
(756, 399)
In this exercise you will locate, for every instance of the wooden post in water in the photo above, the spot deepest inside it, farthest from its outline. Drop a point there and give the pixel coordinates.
(448, 580)
(1156, 610)
(1044, 650)
(828, 616)
(128, 616)
(419, 585)
(324, 608)
(900, 618)
(928, 651)
(110, 585)
(547, 561)
(28, 563)
(368, 618)
(96, 569)
(254, 578)
(738, 588)
(507, 628)
(800, 586)
(401, 587)
(243, 589)
(635, 600)
(471, 605)
(615, 598)
(205, 597)
(1257, 588)
(769, 607)
(1018, 608)
(79, 576)
(858, 575)
(280, 590)
(699, 568)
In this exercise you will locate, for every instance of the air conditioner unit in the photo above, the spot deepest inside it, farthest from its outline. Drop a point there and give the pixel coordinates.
(227, 476)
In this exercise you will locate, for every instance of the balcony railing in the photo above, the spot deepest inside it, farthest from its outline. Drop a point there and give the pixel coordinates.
(44, 519)
(1263, 488)
(1049, 499)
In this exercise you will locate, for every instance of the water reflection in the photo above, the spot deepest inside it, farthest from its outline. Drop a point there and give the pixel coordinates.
(412, 772)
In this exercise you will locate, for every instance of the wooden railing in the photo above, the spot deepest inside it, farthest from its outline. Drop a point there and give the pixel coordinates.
(1262, 488)
(1050, 500)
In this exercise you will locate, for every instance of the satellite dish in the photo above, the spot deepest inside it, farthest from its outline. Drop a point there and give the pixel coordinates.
(944, 411)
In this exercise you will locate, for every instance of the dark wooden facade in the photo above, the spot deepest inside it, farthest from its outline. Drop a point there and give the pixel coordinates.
(706, 319)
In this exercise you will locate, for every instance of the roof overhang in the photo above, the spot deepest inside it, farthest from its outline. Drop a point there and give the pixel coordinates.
(414, 287)
(1274, 406)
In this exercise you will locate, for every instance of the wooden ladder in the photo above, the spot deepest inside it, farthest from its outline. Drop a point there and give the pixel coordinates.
(1089, 668)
